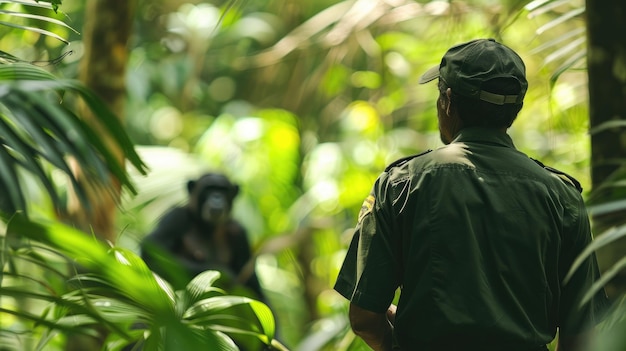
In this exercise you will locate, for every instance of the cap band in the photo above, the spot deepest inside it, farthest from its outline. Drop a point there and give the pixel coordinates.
(499, 99)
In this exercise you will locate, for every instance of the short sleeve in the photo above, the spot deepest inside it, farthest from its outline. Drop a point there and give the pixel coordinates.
(368, 276)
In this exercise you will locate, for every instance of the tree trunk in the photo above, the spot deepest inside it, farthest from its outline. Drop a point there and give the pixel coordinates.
(607, 104)
(106, 32)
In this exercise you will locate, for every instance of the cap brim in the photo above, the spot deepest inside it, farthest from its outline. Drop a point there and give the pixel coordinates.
(429, 75)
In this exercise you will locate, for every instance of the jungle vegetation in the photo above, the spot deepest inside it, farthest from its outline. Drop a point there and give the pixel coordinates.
(107, 108)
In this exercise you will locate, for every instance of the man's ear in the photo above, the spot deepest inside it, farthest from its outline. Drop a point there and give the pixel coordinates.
(448, 101)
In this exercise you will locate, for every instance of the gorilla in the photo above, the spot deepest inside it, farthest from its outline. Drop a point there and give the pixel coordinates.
(201, 236)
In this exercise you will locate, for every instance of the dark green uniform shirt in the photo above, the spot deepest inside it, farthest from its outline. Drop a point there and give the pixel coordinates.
(479, 238)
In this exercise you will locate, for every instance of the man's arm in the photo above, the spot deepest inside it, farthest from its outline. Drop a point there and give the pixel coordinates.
(577, 322)
(374, 328)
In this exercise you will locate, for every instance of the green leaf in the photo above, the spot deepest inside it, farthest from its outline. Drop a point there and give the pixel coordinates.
(116, 311)
(201, 285)
(611, 124)
(63, 304)
(20, 71)
(33, 78)
(574, 51)
(109, 121)
(214, 309)
(38, 127)
(38, 3)
(10, 182)
(608, 207)
(561, 19)
(536, 4)
(265, 316)
(179, 336)
(134, 283)
(55, 4)
(36, 30)
(47, 323)
(75, 320)
(559, 40)
(38, 17)
(567, 65)
(25, 111)
(215, 305)
(604, 279)
(45, 338)
(602, 240)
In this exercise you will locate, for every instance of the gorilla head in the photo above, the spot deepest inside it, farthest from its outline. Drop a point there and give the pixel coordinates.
(211, 197)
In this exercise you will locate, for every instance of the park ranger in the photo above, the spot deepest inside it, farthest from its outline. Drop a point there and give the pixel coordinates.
(477, 236)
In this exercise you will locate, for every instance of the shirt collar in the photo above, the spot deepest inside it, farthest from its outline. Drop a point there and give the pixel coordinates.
(484, 135)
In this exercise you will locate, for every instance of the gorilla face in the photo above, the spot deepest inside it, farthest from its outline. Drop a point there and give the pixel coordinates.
(211, 197)
(215, 207)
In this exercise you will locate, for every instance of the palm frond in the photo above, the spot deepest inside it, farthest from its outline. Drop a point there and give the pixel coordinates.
(38, 17)
(117, 291)
(567, 50)
(35, 29)
(53, 6)
(576, 12)
(602, 240)
(40, 131)
(334, 26)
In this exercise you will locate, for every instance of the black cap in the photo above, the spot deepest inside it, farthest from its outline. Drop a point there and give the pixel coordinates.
(465, 67)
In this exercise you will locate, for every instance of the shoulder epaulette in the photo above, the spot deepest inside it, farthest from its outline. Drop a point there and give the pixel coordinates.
(566, 178)
(404, 160)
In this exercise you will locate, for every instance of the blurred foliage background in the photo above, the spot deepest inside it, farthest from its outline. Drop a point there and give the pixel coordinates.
(303, 103)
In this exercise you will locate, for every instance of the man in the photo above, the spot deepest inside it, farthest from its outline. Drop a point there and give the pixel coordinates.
(477, 236)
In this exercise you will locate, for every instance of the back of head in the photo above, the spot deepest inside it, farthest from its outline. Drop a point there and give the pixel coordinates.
(487, 80)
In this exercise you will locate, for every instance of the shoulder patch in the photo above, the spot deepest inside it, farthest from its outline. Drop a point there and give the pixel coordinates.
(566, 178)
(367, 206)
(404, 160)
